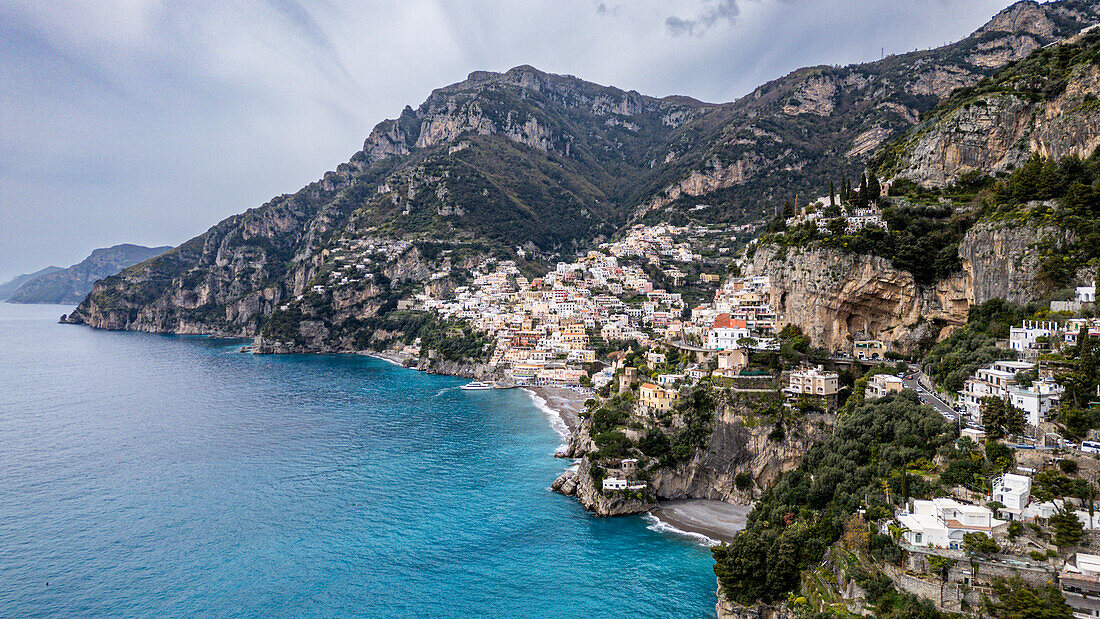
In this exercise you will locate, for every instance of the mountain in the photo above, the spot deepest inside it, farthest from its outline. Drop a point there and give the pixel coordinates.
(1045, 104)
(995, 195)
(528, 164)
(9, 287)
(794, 135)
(71, 285)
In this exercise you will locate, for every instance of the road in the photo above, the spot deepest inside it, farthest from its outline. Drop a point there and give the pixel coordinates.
(930, 397)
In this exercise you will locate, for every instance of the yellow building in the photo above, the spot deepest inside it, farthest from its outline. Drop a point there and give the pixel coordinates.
(866, 350)
(655, 398)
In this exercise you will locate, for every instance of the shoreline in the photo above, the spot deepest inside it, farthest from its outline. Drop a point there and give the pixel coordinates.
(561, 404)
(712, 522)
(398, 359)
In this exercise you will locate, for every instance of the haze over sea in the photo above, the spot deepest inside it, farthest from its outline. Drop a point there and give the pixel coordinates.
(154, 475)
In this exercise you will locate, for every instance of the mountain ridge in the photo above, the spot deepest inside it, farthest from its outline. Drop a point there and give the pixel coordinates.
(70, 285)
(536, 165)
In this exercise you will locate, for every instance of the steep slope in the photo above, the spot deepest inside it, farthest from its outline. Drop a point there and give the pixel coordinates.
(496, 163)
(541, 163)
(1021, 237)
(794, 135)
(1046, 104)
(9, 287)
(71, 285)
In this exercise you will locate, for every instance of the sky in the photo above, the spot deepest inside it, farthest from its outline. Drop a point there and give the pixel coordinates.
(148, 121)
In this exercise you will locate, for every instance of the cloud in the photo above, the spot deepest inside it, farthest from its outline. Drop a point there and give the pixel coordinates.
(146, 121)
(712, 13)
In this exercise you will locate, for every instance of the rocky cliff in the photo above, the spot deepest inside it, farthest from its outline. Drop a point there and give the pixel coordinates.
(837, 297)
(795, 134)
(1045, 105)
(738, 443)
(1001, 261)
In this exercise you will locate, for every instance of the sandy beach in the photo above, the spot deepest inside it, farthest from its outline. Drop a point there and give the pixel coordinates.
(395, 358)
(566, 402)
(718, 520)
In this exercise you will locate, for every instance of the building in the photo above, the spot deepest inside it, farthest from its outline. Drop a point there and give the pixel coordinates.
(1080, 584)
(813, 382)
(869, 350)
(654, 398)
(1037, 400)
(942, 522)
(1014, 492)
(726, 332)
(731, 361)
(882, 384)
(1024, 337)
(991, 381)
(1086, 294)
(628, 379)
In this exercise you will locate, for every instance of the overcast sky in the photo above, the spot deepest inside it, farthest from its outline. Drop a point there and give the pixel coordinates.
(147, 122)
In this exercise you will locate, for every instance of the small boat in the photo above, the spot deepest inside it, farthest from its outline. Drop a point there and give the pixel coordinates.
(477, 386)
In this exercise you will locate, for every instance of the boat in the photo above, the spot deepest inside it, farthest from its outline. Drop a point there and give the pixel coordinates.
(477, 386)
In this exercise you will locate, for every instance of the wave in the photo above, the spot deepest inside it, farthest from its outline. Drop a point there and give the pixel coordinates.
(552, 413)
(386, 359)
(656, 524)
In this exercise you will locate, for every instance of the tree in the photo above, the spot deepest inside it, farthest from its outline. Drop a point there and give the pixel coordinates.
(1068, 529)
(874, 189)
(744, 481)
(1016, 600)
(1001, 418)
(980, 544)
(832, 194)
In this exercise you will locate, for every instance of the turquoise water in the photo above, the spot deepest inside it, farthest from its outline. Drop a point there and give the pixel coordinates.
(150, 475)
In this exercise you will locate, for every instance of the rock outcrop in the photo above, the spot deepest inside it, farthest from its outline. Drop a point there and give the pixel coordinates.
(1001, 261)
(579, 484)
(735, 445)
(837, 297)
(997, 131)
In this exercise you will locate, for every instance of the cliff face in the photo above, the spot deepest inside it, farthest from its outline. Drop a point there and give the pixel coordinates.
(760, 151)
(996, 131)
(1000, 260)
(737, 444)
(837, 297)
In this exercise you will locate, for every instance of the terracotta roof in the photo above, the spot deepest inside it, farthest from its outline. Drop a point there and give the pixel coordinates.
(724, 321)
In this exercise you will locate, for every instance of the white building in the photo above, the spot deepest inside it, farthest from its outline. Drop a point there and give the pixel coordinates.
(1080, 584)
(882, 384)
(942, 522)
(992, 381)
(1023, 337)
(1086, 294)
(1037, 400)
(1014, 492)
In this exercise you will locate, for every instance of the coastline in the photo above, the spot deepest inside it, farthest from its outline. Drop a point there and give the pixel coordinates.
(396, 358)
(562, 404)
(712, 522)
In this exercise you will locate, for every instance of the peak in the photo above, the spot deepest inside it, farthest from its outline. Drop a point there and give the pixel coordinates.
(481, 76)
(524, 68)
(1025, 16)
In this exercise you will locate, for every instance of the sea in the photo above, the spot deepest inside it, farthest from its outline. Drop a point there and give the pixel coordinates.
(149, 475)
